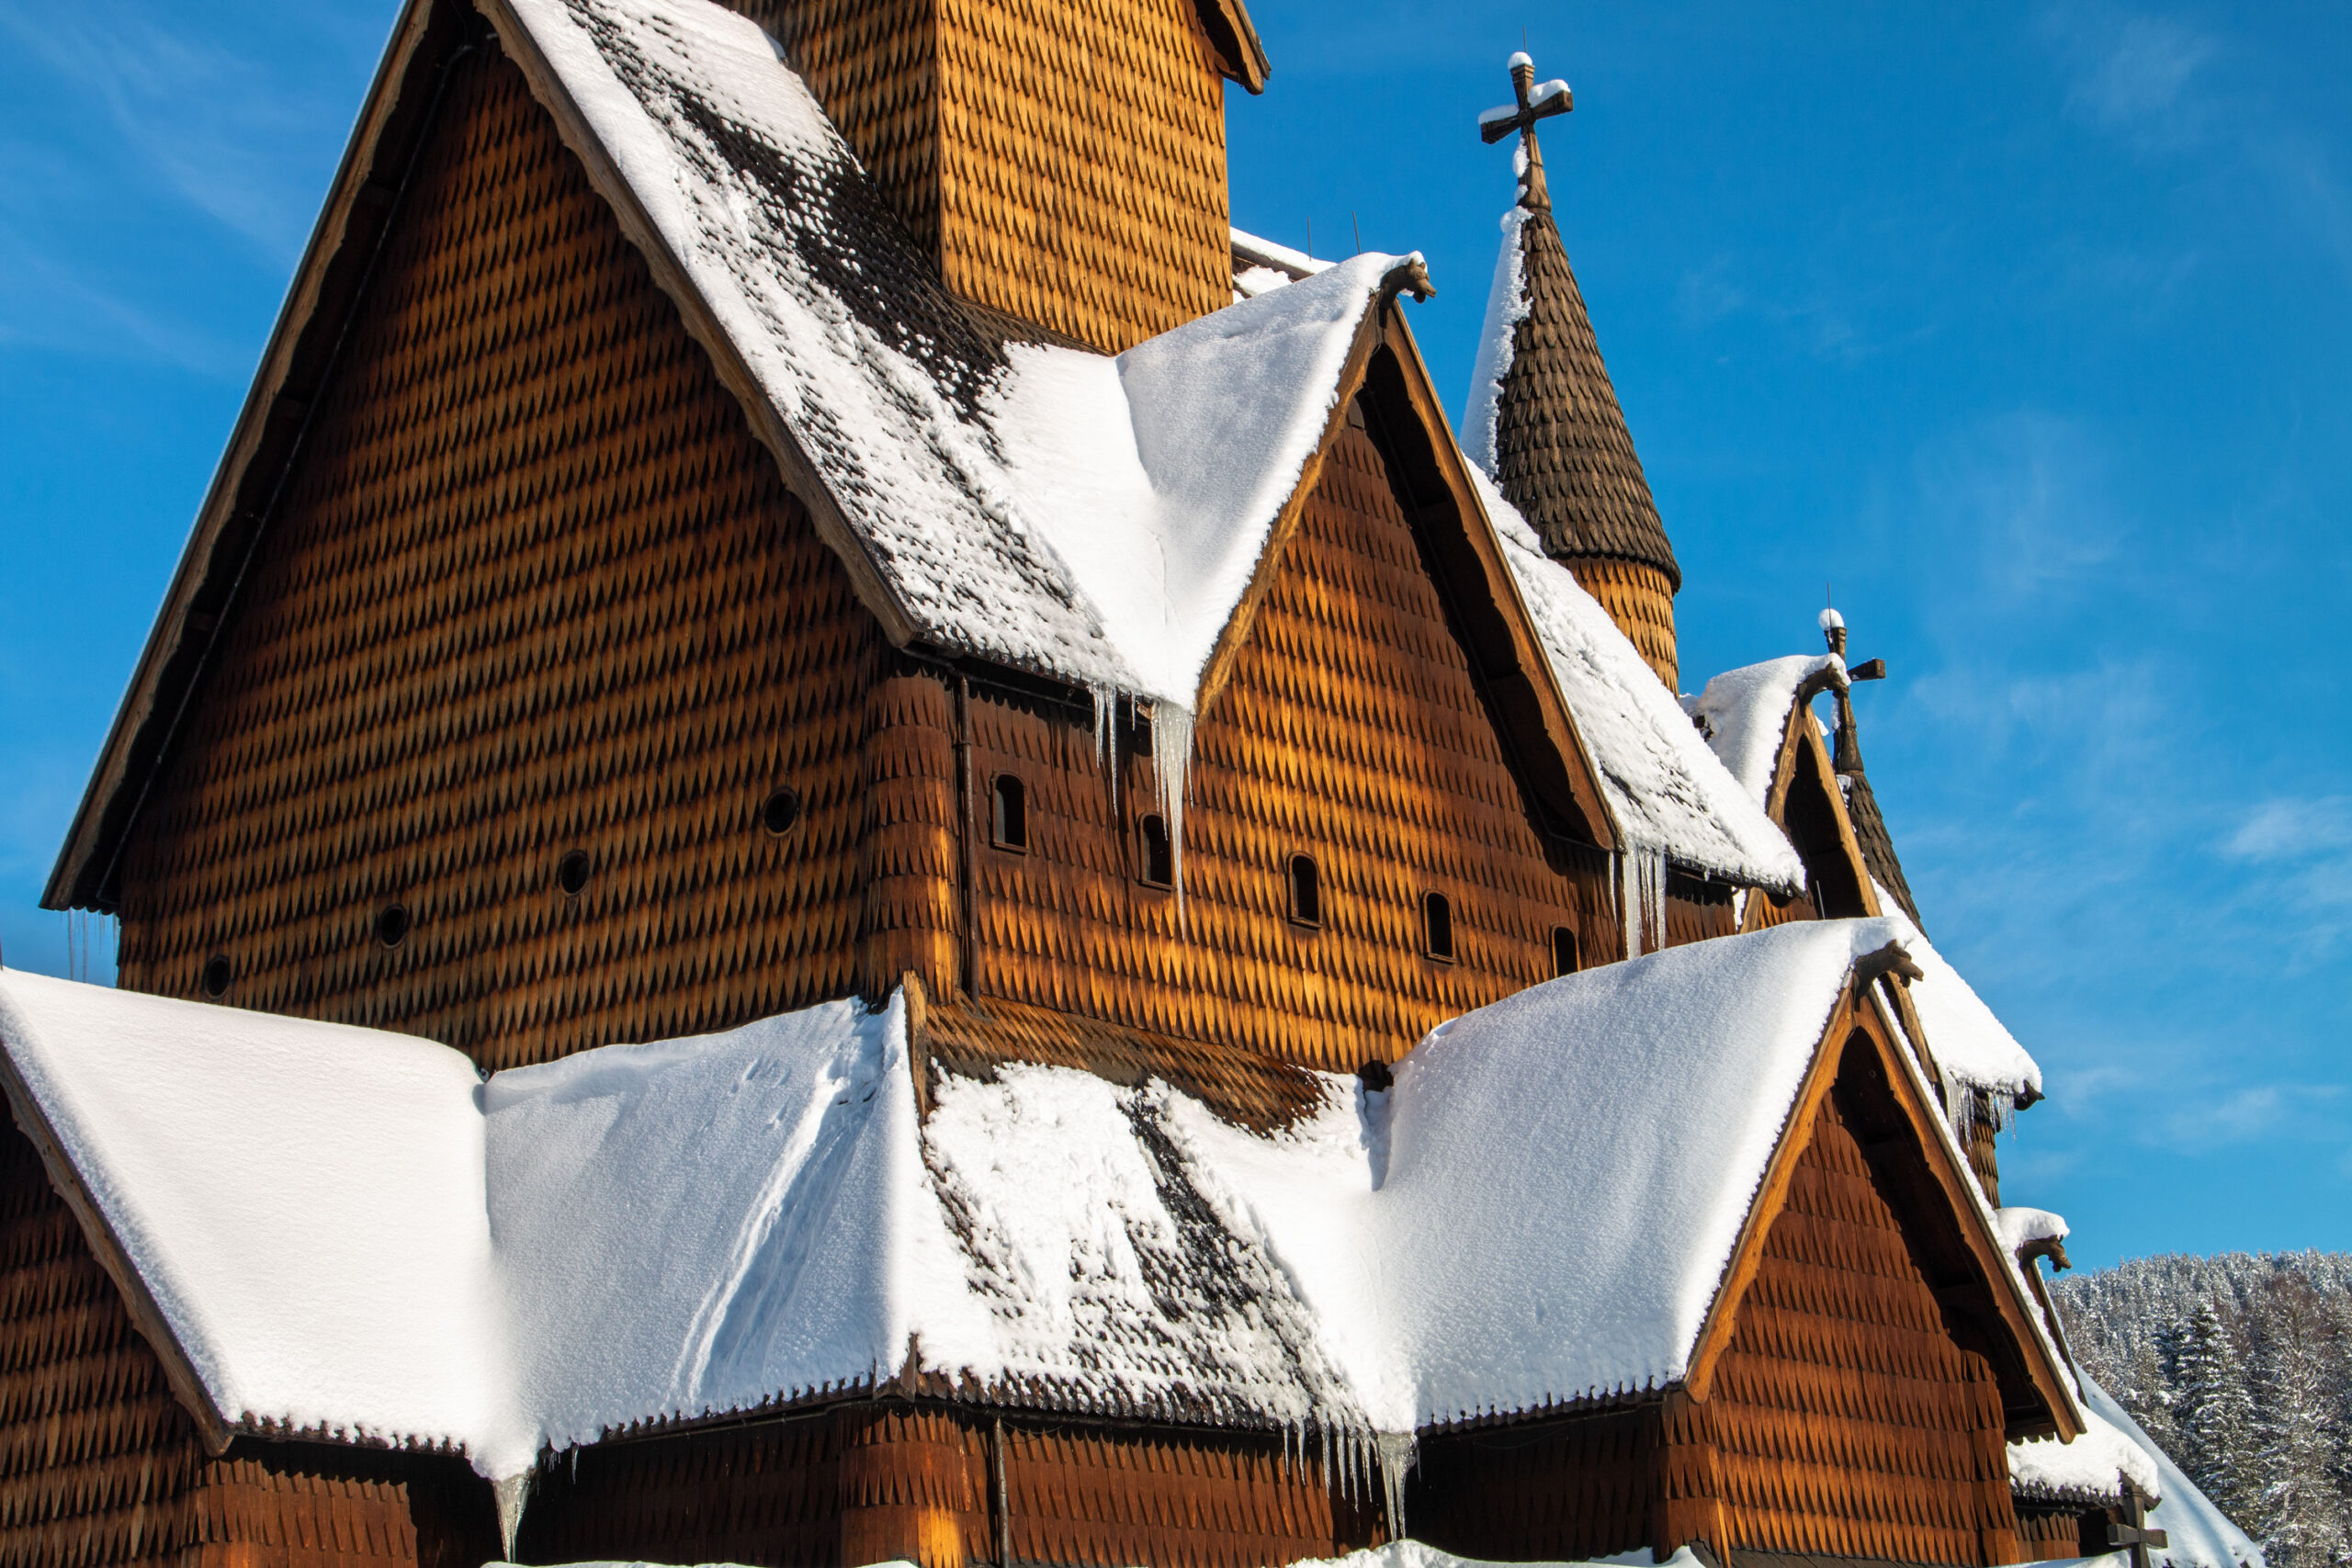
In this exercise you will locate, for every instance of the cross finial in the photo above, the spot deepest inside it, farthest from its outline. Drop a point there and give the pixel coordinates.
(1534, 103)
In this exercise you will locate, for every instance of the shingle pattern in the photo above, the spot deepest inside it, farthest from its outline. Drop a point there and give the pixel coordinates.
(1563, 455)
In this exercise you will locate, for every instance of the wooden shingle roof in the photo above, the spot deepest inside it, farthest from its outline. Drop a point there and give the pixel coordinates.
(1562, 452)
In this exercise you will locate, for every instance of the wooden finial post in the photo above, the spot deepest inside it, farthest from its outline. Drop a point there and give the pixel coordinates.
(1534, 103)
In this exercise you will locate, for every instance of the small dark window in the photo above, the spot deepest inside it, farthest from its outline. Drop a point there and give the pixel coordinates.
(1159, 855)
(1565, 958)
(571, 872)
(215, 978)
(1437, 926)
(1009, 821)
(391, 926)
(1305, 892)
(780, 811)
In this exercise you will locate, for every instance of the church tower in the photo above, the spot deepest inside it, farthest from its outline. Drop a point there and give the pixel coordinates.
(1544, 420)
(1063, 164)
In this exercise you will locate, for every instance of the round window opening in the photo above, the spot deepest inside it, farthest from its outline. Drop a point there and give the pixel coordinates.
(391, 926)
(571, 872)
(215, 978)
(780, 811)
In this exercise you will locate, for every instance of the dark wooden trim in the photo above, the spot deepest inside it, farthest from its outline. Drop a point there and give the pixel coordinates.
(1240, 55)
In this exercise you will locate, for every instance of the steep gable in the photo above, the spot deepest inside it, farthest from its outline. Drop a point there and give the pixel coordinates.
(532, 590)
(1842, 1366)
(1346, 725)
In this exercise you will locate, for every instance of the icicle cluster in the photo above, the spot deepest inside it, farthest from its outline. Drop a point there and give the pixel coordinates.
(1640, 899)
(1965, 1103)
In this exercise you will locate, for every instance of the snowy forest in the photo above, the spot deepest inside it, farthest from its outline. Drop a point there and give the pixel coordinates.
(2241, 1366)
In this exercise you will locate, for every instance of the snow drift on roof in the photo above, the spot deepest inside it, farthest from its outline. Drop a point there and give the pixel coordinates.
(1470, 1247)
(1507, 306)
(1970, 1045)
(1743, 713)
(2090, 1469)
(2021, 1226)
(1454, 1246)
(1156, 477)
(1667, 792)
(305, 1201)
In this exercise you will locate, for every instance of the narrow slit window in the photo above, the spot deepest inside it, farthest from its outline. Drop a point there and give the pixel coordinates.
(1305, 892)
(1437, 926)
(1158, 855)
(1565, 958)
(1009, 814)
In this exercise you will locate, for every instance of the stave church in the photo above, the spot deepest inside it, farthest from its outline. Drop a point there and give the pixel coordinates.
(848, 839)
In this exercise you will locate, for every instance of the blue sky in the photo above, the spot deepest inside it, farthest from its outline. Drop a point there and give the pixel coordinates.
(2027, 326)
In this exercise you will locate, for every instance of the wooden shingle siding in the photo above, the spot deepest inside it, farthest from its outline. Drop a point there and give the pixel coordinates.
(1351, 732)
(1062, 161)
(1846, 1419)
(96, 1460)
(1082, 182)
(533, 587)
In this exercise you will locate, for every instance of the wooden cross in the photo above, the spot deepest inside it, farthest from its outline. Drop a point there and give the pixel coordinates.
(1534, 103)
(2132, 1529)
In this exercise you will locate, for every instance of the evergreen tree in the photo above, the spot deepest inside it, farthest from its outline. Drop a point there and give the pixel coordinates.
(2300, 1509)
(2213, 1412)
(2241, 1368)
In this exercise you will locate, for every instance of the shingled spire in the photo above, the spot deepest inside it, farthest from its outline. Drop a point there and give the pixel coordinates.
(1544, 420)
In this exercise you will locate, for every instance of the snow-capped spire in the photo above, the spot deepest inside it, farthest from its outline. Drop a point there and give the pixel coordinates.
(1544, 420)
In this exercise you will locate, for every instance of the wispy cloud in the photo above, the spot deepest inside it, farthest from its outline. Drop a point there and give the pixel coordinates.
(2301, 851)
(2025, 493)
(2156, 83)
(2135, 75)
(237, 141)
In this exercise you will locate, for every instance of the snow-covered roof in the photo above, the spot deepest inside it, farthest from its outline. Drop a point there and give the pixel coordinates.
(304, 1201)
(1156, 478)
(2091, 1468)
(1542, 1208)
(463, 1263)
(1743, 713)
(1670, 794)
(1507, 304)
(1096, 519)
(1972, 1047)
(2021, 1226)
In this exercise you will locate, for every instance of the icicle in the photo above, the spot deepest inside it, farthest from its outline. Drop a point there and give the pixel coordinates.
(513, 1494)
(1398, 1453)
(1172, 762)
(1640, 899)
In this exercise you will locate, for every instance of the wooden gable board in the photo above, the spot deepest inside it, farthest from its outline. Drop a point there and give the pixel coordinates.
(1386, 377)
(1804, 781)
(1982, 1293)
